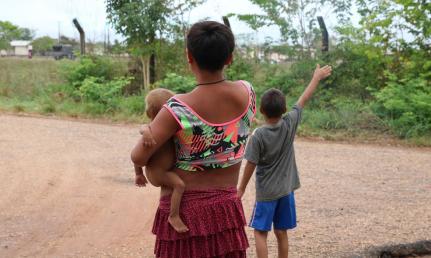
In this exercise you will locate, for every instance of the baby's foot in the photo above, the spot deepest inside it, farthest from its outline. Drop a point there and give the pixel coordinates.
(177, 224)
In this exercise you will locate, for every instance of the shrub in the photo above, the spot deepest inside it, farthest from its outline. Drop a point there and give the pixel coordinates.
(406, 104)
(343, 114)
(132, 105)
(103, 68)
(177, 83)
(240, 69)
(95, 89)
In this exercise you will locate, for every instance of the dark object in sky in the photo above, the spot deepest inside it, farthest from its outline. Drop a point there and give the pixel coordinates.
(81, 35)
(325, 37)
(226, 21)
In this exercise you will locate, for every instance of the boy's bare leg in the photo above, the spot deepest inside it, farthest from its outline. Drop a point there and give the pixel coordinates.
(174, 181)
(283, 243)
(261, 243)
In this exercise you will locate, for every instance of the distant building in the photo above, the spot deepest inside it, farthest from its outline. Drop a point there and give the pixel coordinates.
(21, 47)
(276, 58)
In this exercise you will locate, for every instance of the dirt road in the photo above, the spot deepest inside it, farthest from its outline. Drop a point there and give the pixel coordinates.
(66, 190)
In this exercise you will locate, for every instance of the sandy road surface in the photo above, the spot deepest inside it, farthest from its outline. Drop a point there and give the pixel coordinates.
(66, 190)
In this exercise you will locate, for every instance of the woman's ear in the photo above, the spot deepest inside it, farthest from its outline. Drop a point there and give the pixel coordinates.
(229, 60)
(190, 59)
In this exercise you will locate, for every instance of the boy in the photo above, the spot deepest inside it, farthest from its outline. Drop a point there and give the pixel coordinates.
(270, 150)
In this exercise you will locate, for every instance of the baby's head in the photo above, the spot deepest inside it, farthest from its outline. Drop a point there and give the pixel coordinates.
(155, 100)
(273, 103)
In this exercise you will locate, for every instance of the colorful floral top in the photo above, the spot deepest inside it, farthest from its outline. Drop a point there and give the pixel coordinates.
(202, 145)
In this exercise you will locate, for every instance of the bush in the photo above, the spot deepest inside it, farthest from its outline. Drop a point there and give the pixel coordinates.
(177, 83)
(240, 69)
(132, 105)
(103, 68)
(343, 114)
(406, 104)
(97, 90)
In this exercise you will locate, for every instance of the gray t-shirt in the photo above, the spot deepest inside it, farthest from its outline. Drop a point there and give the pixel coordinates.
(271, 149)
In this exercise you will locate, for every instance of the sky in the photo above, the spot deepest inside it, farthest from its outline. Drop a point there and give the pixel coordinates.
(48, 17)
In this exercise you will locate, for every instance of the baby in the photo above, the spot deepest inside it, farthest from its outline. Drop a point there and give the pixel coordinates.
(158, 169)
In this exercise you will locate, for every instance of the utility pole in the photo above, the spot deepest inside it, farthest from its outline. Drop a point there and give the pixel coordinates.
(109, 43)
(81, 35)
(226, 21)
(59, 35)
(325, 37)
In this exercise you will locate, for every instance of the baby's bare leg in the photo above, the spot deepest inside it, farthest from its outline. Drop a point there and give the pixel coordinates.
(172, 180)
(158, 173)
(178, 187)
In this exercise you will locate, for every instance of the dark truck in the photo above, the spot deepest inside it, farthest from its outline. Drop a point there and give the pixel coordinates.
(62, 51)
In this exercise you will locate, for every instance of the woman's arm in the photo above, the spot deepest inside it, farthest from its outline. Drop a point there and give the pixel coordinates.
(163, 127)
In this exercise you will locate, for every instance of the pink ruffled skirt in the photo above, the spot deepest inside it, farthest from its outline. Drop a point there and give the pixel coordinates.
(215, 219)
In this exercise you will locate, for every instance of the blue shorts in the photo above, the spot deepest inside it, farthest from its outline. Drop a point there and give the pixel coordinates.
(281, 212)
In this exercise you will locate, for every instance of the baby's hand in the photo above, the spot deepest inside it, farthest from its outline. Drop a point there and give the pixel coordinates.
(140, 180)
(147, 136)
(322, 73)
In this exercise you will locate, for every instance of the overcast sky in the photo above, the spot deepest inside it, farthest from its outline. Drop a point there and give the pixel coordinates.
(46, 17)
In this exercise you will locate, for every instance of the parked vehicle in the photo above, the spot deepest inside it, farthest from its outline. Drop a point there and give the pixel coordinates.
(62, 51)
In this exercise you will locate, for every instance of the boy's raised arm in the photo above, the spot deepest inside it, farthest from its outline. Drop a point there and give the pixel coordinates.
(319, 74)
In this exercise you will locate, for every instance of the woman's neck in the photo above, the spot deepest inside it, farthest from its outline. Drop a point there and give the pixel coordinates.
(205, 76)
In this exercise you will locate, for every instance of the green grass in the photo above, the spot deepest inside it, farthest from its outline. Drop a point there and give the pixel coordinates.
(37, 86)
(21, 76)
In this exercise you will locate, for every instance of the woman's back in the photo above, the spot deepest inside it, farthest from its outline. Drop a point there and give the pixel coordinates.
(214, 126)
(216, 104)
(220, 103)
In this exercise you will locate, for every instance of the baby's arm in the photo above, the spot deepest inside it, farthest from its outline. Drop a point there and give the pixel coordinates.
(319, 74)
(140, 179)
(248, 172)
(147, 140)
(147, 136)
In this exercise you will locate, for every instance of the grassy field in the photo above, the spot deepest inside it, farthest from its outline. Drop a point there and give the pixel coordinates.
(38, 86)
(21, 77)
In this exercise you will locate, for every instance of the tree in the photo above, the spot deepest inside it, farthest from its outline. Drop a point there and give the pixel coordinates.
(43, 44)
(391, 22)
(118, 48)
(69, 41)
(142, 22)
(9, 32)
(296, 19)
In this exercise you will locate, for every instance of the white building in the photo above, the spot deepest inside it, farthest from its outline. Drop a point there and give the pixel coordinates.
(21, 47)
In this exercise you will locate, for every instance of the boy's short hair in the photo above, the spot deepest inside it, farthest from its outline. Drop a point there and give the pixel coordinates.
(155, 100)
(273, 103)
(211, 44)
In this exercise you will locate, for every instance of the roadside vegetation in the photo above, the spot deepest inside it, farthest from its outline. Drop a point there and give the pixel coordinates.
(380, 87)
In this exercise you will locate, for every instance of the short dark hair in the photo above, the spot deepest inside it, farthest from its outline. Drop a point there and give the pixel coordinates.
(210, 43)
(273, 103)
